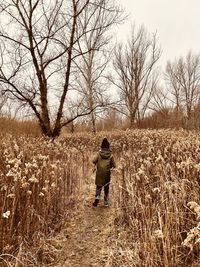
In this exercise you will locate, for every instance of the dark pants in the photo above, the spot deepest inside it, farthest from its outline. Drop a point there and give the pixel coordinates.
(106, 192)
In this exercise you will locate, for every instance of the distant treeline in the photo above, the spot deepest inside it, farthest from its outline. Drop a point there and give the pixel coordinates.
(163, 119)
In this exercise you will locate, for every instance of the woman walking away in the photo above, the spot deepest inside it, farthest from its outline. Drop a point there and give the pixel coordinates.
(104, 162)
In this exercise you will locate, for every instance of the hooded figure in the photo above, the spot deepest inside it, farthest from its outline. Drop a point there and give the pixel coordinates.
(104, 163)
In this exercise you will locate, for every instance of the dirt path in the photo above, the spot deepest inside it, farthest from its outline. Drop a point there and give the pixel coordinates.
(88, 233)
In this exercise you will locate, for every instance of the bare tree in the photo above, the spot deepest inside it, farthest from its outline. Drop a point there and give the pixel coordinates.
(39, 46)
(135, 78)
(90, 81)
(171, 71)
(91, 85)
(3, 101)
(160, 100)
(184, 78)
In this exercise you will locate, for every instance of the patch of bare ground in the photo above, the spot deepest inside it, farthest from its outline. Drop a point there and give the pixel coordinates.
(88, 233)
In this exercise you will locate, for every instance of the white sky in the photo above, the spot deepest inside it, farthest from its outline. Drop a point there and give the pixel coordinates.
(177, 23)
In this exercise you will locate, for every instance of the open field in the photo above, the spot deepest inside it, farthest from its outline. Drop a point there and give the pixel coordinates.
(155, 221)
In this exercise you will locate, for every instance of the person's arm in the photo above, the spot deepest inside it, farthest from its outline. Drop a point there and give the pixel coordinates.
(95, 159)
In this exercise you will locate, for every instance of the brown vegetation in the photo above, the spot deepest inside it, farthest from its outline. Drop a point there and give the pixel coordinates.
(156, 178)
(17, 127)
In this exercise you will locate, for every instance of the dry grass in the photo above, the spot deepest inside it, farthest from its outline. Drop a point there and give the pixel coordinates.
(17, 127)
(160, 175)
(156, 178)
(38, 180)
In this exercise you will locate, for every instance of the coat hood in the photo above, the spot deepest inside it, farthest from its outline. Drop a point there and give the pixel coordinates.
(105, 154)
(105, 144)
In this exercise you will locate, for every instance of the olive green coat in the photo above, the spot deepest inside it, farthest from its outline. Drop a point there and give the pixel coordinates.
(104, 163)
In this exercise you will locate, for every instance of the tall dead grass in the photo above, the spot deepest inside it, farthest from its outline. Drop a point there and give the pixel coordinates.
(159, 173)
(17, 127)
(157, 176)
(38, 181)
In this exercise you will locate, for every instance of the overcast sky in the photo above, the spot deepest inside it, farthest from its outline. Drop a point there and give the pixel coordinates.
(177, 23)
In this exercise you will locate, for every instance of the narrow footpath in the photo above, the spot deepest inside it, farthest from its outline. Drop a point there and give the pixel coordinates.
(89, 233)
